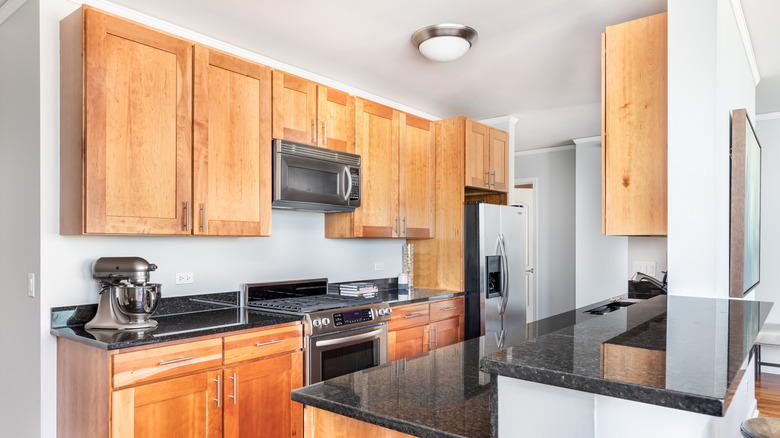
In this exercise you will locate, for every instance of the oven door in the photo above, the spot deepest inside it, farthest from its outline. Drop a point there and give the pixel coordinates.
(336, 354)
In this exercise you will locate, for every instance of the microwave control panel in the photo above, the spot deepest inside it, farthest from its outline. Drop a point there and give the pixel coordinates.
(354, 194)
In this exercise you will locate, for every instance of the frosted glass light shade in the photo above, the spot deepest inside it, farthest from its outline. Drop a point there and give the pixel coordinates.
(444, 48)
(444, 42)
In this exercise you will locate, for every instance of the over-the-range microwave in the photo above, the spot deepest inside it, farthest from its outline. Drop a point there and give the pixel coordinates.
(314, 179)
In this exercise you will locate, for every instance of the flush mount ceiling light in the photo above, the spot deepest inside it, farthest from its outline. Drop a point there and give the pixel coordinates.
(444, 42)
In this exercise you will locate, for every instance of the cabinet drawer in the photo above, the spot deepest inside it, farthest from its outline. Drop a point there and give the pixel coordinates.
(263, 343)
(446, 308)
(156, 363)
(407, 316)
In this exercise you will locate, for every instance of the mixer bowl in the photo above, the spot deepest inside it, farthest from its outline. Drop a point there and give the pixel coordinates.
(137, 303)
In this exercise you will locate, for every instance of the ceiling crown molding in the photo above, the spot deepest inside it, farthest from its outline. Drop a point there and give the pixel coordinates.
(739, 14)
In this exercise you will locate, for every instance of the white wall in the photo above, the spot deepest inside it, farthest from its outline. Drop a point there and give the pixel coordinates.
(19, 222)
(709, 76)
(600, 260)
(555, 277)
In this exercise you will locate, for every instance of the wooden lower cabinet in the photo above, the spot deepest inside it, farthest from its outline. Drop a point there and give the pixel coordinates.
(419, 328)
(257, 398)
(179, 407)
(181, 390)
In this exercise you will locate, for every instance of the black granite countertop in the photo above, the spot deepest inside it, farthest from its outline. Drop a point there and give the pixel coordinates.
(447, 392)
(177, 318)
(702, 347)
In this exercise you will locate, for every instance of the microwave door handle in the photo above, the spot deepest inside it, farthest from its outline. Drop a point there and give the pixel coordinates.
(348, 192)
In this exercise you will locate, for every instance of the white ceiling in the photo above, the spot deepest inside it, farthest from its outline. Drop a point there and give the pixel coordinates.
(536, 60)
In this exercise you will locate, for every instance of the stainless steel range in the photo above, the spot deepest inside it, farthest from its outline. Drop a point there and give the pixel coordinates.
(342, 334)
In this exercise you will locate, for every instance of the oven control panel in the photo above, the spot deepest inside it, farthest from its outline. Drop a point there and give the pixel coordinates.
(352, 317)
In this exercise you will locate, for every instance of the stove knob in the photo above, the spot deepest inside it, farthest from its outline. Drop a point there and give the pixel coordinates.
(389, 311)
(325, 321)
(316, 323)
(381, 312)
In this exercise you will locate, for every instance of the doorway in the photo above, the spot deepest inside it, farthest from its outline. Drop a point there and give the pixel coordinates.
(525, 195)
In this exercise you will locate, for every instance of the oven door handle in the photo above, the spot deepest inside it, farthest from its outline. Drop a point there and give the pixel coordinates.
(347, 339)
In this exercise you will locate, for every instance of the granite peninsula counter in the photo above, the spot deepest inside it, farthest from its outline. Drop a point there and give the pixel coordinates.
(683, 359)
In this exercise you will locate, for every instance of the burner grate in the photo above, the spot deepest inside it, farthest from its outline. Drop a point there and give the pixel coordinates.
(312, 303)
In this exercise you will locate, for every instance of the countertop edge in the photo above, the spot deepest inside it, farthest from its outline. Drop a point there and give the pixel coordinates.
(372, 418)
(627, 391)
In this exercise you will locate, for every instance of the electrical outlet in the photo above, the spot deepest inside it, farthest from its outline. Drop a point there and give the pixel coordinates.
(379, 266)
(185, 278)
(31, 284)
(645, 268)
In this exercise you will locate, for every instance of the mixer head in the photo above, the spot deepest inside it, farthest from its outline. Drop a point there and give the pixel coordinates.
(113, 270)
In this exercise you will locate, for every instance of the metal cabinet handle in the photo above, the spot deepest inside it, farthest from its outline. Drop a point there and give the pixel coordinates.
(166, 362)
(448, 309)
(413, 315)
(436, 330)
(488, 178)
(314, 131)
(325, 133)
(219, 390)
(203, 217)
(430, 338)
(397, 225)
(187, 216)
(268, 343)
(404, 225)
(235, 389)
(494, 178)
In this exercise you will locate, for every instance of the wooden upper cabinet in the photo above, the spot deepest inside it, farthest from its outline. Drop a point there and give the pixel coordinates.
(417, 177)
(397, 176)
(294, 108)
(335, 119)
(487, 157)
(499, 159)
(232, 154)
(306, 112)
(377, 142)
(634, 127)
(127, 168)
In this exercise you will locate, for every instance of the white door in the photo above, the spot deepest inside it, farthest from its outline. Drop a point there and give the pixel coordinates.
(527, 198)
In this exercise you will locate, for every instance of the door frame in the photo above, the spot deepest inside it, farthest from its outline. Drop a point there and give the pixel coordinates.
(532, 310)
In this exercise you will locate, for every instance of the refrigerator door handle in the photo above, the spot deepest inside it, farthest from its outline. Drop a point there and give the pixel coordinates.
(505, 268)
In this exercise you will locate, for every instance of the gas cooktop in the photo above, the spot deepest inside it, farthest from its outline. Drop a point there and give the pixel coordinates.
(309, 304)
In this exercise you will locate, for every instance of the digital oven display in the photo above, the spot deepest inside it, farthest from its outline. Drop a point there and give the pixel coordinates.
(352, 317)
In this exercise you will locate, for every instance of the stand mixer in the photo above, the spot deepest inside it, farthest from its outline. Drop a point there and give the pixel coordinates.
(126, 300)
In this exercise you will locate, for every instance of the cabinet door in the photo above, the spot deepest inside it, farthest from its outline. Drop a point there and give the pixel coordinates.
(408, 342)
(376, 140)
(294, 108)
(499, 159)
(477, 150)
(232, 174)
(417, 177)
(138, 151)
(634, 122)
(335, 119)
(182, 407)
(447, 332)
(257, 398)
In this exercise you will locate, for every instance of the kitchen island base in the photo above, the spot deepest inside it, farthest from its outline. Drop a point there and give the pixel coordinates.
(538, 410)
(319, 423)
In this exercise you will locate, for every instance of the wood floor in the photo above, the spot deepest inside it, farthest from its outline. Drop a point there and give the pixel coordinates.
(768, 395)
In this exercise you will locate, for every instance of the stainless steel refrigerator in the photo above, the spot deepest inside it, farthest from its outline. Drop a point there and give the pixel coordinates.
(494, 258)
